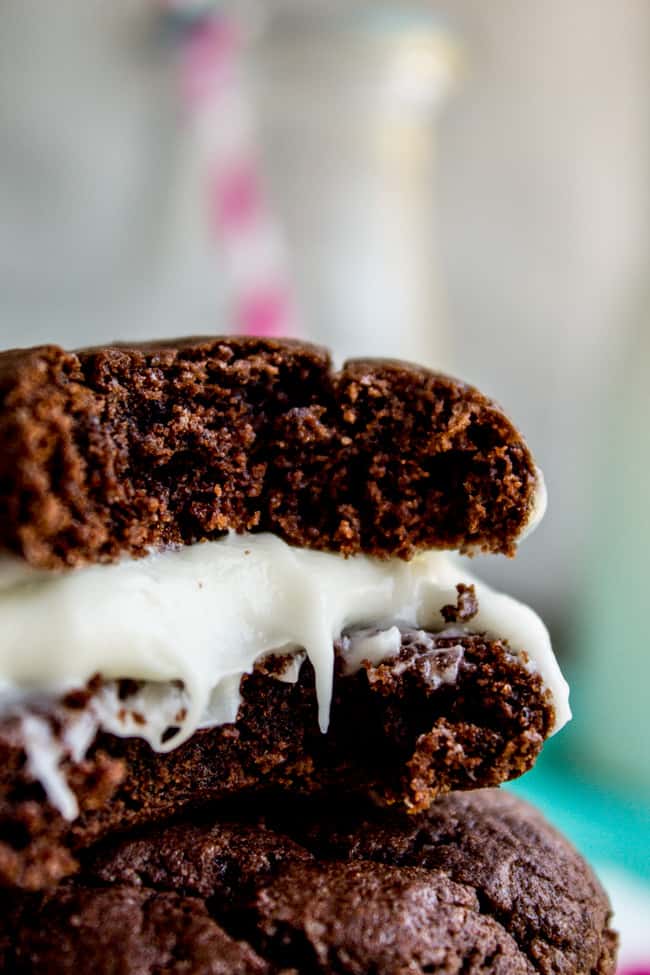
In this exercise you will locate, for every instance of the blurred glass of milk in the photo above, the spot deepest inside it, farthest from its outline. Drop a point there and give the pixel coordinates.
(347, 103)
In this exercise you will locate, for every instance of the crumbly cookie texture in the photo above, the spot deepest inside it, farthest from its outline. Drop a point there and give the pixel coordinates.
(447, 712)
(120, 449)
(478, 884)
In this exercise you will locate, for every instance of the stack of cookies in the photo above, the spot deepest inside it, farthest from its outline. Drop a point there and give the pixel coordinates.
(252, 710)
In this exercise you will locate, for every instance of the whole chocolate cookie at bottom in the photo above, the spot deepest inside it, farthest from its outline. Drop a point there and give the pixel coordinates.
(479, 883)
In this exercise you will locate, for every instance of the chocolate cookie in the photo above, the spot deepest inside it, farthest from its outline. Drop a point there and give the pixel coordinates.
(447, 712)
(223, 570)
(115, 450)
(479, 884)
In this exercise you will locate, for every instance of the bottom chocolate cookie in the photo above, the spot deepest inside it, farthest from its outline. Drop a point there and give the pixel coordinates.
(478, 884)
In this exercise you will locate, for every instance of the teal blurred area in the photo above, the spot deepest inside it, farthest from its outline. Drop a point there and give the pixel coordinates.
(609, 826)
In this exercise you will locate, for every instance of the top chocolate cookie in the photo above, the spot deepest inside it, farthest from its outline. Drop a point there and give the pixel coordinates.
(118, 450)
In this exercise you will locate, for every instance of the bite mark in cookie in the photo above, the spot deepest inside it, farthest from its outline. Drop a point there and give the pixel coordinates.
(445, 712)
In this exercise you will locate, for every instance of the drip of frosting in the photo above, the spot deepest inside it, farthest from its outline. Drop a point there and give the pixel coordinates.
(190, 622)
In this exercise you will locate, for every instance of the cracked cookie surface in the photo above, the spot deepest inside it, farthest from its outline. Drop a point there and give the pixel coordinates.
(478, 884)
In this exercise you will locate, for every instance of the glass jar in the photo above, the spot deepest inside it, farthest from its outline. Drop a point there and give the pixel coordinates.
(347, 104)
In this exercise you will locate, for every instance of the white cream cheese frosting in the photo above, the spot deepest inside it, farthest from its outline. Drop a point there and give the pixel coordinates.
(202, 615)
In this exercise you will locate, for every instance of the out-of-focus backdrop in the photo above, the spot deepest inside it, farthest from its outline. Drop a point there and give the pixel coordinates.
(458, 182)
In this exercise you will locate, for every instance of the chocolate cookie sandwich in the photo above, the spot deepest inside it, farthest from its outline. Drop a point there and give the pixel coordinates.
(226, 569)
(478, 884)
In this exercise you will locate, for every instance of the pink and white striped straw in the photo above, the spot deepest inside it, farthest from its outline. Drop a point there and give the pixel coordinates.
(241, 223)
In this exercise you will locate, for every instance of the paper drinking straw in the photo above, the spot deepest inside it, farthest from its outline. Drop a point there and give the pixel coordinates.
(241, 223)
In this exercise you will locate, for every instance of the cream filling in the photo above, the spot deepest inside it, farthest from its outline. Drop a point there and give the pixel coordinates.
(202, 615)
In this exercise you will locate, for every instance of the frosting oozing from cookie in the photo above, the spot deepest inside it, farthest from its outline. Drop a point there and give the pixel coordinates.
(203, 615)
